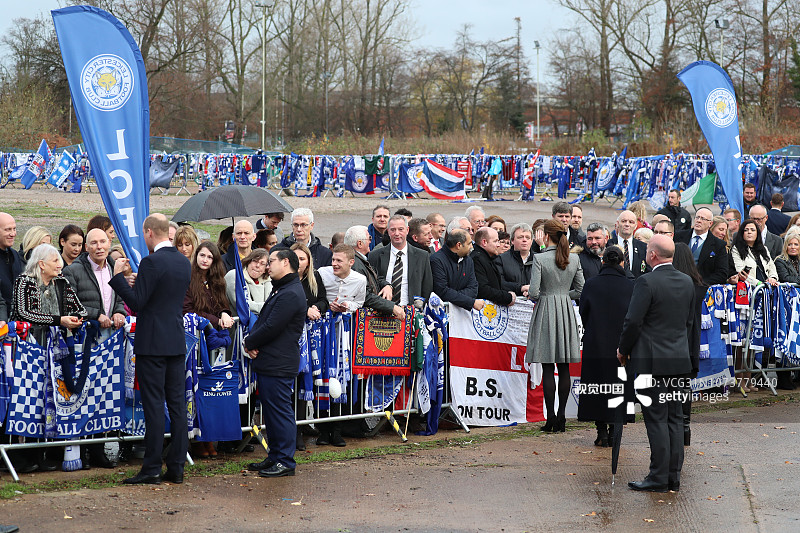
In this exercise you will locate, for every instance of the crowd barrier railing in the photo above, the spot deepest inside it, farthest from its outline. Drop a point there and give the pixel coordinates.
(404, 404)
(768, 364)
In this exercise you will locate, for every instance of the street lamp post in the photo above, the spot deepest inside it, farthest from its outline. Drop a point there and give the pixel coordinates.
(722, 25)
(538, 93)
(264, 8)
(327, 76)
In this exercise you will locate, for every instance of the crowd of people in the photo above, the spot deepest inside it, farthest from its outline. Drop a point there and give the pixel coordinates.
(395, 259)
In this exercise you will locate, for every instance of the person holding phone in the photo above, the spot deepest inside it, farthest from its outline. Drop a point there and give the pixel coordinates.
(751, 259)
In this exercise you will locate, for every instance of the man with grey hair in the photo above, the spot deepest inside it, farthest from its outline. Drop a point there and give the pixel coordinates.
(514, 265)
(772, 242)
(379, 291)
(476, 217)
(590, 256)
(173, 227)
(407, 268)
(302, 226)
(459, 223)
(710, 253)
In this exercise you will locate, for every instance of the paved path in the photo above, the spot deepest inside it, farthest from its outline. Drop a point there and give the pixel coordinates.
(741, 474)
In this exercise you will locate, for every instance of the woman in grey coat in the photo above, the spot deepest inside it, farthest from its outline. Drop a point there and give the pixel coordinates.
(553, 335)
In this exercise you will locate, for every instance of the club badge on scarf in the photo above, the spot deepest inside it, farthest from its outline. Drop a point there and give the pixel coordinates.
(98, 405)
(383, 343)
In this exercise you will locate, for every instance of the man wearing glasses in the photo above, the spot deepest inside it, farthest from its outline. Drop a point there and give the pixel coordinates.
(302, 225)
(664, 227)
(773, 243)
(709, 252)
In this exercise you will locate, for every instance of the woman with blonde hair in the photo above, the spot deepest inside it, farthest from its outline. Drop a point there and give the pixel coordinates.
(719, 229)
(556, 280)
(316, 297)
(640, 210)
(35, 236)
(185, 241)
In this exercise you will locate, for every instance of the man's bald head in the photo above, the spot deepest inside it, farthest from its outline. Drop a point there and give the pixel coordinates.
(660, 250)
(96, 233)
(759, 214)
(626, 224)
(243, 225)
(8, 231)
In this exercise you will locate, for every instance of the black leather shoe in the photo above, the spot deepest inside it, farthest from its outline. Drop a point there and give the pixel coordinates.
(647, 486)
(674, 486)
(173, 477)
(248, 448)
(47, 465)
(277, 470)
(26, 467)
(300, 443)
(324, 438)
(263, 465)
(143, 479)
(9, 529)
(337, 440)
(101, 461)
(548, 426)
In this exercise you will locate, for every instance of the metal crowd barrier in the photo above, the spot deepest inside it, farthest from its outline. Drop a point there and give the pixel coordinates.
(409, 406)
(749, 354)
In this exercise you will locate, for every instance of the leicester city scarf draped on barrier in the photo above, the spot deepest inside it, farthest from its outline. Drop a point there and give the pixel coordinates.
(382, 343)
(95, 407)
(108, 83)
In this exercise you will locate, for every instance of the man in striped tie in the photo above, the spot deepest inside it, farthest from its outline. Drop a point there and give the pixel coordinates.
(709, 252)
(407, 268)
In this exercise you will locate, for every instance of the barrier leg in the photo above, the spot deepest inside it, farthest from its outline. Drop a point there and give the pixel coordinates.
(8, 463)
(189, 458)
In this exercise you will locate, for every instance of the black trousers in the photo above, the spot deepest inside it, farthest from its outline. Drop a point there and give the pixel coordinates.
(663, 420)
(163, 378)
(277, 412)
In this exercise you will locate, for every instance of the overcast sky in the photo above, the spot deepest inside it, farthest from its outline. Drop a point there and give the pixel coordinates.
(437, 21)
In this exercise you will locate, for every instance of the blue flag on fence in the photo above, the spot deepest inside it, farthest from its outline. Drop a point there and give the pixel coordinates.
(108, 83)
(714, 101)
(242, 306)
(37, 166)
(64, 167)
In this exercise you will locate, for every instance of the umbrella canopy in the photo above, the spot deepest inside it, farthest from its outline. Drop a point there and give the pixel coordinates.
(230, 201)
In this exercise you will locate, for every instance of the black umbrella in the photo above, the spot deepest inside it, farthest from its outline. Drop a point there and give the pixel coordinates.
(621, 417)
(230, 201)
(615, 449)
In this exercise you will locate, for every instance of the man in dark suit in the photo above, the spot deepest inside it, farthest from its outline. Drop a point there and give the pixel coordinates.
(489, 281)
(655, 336)
(772, 242)
(275, 353)
(438, 226)
(709, 252)
(407, 268)
(635, 251)
(379, 291)
(750, 199)
(777, 220)
(160, 348)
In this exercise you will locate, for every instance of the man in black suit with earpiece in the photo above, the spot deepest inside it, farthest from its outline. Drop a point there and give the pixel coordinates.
(160, 347)
(655, 337)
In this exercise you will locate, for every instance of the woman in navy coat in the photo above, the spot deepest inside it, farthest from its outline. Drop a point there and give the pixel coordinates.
(603, 306)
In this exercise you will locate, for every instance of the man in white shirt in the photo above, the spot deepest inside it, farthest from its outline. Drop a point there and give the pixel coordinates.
(438, 226)
(635, 251)
(346, 288)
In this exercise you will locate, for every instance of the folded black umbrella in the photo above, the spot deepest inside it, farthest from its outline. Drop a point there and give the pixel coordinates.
(231, 201)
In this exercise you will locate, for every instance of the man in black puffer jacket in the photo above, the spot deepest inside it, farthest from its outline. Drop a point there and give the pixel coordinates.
(514, 266)
(489, 283)
(275, 352)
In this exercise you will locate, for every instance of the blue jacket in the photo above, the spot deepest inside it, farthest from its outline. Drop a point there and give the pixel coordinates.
(157, 300)
(277, 331)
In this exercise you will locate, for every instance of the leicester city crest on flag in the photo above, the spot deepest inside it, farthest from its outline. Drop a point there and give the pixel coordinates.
(490, 322)
(721, 107)
(360, 181)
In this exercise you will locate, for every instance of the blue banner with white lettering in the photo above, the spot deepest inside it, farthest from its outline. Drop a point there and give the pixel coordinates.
(37, 165)
(108, 84)
(64, 168)
(714, 101)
